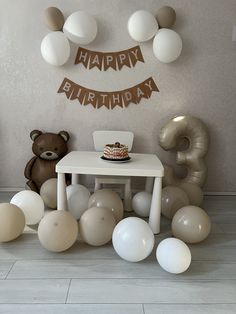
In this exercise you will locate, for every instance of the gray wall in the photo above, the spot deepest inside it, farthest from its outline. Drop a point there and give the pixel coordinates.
(201, 83)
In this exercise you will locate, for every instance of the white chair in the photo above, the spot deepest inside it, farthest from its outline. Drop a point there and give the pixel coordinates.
(100, 139)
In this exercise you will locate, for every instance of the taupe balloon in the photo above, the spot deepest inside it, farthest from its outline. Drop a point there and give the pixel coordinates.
(191, 224)
(166, 17)
(12, 222)
(96, 226)
(107, 199)
(192, 158)
(48, 192)
(54, 19)
(172, 199)
(58, 231)
(194, 193)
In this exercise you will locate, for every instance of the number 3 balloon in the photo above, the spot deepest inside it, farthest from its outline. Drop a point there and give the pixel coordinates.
(196, 133)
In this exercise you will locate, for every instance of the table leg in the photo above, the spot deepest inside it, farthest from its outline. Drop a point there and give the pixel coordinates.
(149, 184)
(74, 178)
(61, 192)
(155, 210)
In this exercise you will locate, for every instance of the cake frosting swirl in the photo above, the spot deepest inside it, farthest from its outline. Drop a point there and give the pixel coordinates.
(116, 151)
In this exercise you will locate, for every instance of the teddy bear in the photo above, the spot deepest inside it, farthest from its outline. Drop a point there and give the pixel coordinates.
(48, 148)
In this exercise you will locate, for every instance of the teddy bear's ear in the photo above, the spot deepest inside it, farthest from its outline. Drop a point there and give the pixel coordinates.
(65, 135)
(34, 134)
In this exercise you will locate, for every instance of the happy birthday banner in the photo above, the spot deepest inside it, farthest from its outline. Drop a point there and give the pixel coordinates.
(108, 99)
(106, 60)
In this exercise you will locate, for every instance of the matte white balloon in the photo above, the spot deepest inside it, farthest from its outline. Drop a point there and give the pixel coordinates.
(81, 28)
(173, 255)
(32, 205)
(133, 239)
(48, 192)
(55, 48)
(141, 203)
(167, 45)
(142, 26)
(78, 197)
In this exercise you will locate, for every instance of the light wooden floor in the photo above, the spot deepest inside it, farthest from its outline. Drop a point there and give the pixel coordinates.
(95, 280)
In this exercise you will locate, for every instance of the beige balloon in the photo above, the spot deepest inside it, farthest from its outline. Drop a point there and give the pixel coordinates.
(166, 17)
(191, 224)
(54, 19)
(96, 226)
(48, 192)
(107, 199)
(192, 158)
(12, 222)
(194, 193)
(58, 231)
(172, 199)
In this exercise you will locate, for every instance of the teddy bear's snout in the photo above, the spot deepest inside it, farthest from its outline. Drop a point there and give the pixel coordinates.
(49, 154)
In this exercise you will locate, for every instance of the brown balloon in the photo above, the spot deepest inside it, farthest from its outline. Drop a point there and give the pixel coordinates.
(191, 224)
(12, 222)
(54, 19)
(166, 17)
(172, 199)
(58, 231)
(96, 226)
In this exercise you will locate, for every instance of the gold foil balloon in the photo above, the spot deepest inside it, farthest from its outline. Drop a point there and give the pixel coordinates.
(96, 226)
(191, 224)
(12, 222)
(54, 19)
(194, 193)
(172, 199)
(58, 231)
(166, 17)
(107, 199)
(192, 158)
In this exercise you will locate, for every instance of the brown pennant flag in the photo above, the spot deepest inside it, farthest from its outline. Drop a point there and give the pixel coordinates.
(123, 59)
(103, 100)
(148, 87)
(109, 60)
(82, 57)
(116, 99)
(95, 60)
(135, 55)
(129, 96)
(67, 87)
(78, 93)
(90, 97)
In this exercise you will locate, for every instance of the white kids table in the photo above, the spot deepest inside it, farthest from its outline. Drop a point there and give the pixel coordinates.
(140, 165)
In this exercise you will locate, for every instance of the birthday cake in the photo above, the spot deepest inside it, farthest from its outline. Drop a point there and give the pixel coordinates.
(116, 151)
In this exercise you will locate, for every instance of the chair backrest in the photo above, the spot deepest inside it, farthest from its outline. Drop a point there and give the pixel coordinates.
(101, 138)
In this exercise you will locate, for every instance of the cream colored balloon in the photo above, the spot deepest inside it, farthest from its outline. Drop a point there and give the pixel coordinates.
(191, 224)
(194, 193)
(54, 19)
(195, 131)
(12, 222)
(107, 199)
(48, 192)
(96, 226)
(172, 199)
(58, 231)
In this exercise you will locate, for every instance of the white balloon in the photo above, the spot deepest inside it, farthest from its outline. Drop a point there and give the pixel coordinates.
(32, 205)
(141, 203)
(167, 45)
(81, 28)
(173, 255)
(142, 25)
(55, 48)
(48, 192)
(133, 239)
(77, 197)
